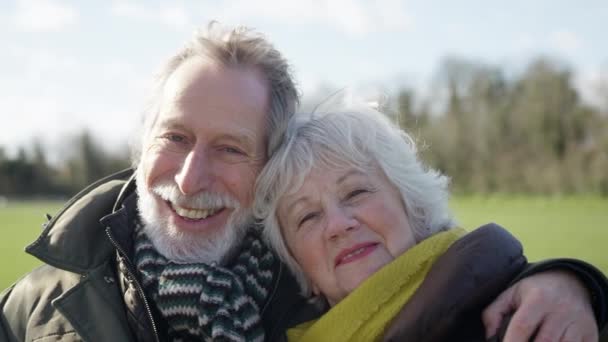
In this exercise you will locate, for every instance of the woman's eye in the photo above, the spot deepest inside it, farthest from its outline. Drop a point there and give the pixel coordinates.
(307, 218)
(355, 193)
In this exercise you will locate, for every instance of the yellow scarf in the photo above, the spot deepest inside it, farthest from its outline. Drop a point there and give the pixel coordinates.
(366, 312)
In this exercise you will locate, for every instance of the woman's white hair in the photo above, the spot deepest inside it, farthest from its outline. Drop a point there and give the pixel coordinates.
(349, 136)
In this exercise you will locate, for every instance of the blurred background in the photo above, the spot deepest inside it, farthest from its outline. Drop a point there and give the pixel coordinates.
(510, 99)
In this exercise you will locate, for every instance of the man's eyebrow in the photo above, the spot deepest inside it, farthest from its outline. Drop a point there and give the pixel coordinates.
(242, 136)
(172, 123)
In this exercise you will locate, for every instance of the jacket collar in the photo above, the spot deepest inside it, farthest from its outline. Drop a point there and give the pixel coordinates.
(94, 297)
(75, 239)
(119, 224)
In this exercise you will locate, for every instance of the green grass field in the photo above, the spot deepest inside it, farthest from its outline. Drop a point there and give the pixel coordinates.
(548, 227)
(20, 224)
(574, 227)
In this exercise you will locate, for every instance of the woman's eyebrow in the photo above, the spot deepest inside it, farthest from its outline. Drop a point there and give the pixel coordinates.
(348, 174)
(292, 206)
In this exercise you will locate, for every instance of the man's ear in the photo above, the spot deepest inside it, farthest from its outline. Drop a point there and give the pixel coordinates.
(315, 290)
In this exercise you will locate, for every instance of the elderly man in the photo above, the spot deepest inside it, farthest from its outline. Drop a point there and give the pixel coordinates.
(168, 253)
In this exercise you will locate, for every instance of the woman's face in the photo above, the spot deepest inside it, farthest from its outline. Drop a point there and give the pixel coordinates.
(343, 225)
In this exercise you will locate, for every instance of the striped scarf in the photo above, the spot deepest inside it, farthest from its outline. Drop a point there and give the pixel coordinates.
(208, 302)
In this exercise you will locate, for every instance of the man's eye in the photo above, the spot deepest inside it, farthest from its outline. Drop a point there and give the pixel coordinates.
(233, 150)
(175, 138)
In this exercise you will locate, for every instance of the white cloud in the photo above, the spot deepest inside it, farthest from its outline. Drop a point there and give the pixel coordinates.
(34, 83)
(53, 120)
(394, 15)
(38, 118)
(44, 15)
(561, 43)
(172, 16)
(237, 12)
(309, 82)
(525, 41)
(565, 41)
(353, 17)
(350, 16)
(55, 95)
(592, 85)
(175, 17)
(127, 9)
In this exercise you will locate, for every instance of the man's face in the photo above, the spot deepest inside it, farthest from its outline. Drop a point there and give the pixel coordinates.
(200, 162)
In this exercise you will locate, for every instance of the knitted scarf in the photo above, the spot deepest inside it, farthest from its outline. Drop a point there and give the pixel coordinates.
(208, 302)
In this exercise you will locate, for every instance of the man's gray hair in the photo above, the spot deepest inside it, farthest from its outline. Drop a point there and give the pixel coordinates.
(237, 47)
(360, 137)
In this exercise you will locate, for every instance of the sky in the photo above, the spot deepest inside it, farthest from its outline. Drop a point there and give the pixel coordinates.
(70, 65)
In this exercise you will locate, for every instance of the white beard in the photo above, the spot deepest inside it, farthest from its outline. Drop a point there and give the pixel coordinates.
(188, 247)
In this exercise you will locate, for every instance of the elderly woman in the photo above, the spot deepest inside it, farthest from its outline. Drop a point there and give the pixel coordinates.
(365, 228)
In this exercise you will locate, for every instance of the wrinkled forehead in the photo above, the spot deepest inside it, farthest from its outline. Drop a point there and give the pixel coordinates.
(307, 181)
(317, 144)
(199, 77)
(225, 97)
(321, 160)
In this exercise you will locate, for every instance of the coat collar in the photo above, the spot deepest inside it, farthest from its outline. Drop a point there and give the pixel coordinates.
(75, 239)
(92, 298)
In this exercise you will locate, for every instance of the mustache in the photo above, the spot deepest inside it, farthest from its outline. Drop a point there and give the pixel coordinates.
(207, 199)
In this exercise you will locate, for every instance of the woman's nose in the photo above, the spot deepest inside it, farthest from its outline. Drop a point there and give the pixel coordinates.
(340, 221)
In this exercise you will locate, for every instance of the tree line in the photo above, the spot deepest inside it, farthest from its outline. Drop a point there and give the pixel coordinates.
(490, 131)
(29, 173)
(524, 133)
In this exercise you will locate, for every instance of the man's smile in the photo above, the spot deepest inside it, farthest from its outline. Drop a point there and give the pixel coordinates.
(194, 213)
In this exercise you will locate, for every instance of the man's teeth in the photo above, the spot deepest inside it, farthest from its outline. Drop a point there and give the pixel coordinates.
(195, 214)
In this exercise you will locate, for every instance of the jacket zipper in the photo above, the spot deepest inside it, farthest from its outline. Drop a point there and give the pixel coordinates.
(270, 335)
(274, 290)
(137, 285)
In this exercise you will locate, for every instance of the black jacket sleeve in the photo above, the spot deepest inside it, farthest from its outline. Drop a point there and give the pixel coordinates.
(595, 281)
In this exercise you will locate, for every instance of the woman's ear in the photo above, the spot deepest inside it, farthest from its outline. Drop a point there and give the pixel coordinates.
(315, 290)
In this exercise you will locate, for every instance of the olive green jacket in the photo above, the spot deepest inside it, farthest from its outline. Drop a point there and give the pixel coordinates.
(87, 289)
(74, 296)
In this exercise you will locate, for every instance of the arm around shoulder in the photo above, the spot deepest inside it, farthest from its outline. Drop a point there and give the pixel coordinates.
(592, 278)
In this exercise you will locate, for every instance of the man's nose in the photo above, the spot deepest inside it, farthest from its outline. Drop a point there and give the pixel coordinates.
(340, 221)
(196, 172)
